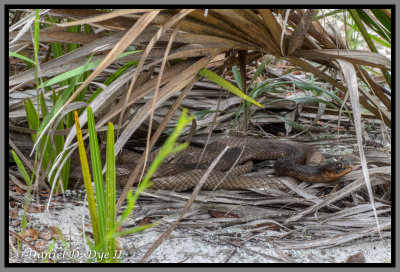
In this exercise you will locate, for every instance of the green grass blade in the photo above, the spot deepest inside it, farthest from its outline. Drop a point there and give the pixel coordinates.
(167, 148)
(326, 15)
(74, 29)
(43, 107)
(32, 116)
(369, 22)
(355, 15)
(22, 57)
(61, 101)
(113, 77)
(47, 150)
(237, 76)
(97, 174)
(135, 229)
(59, 141)
(169, 145)
(28, 181)
(383, 19)
(21, 168)
(257, 90)
(57, 49)
(80, 70)
(259, 70)
(380, 41)
(226, 85)
(34, 122)
(309, 99)
(311, 87)
(36, 46)
(87, 180)
(110, 192)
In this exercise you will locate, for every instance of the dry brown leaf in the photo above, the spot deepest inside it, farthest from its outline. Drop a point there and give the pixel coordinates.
(105, 16)
(30, 235)
(167, 91)
(352, 56)
(356, 258)
(349, 75)
(149, 46)
(48, 233)
(125, 41)
(275, 28)
(35, 209)
(59, 36)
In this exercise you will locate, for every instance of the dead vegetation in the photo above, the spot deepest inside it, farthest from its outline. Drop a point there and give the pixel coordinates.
(314, 87)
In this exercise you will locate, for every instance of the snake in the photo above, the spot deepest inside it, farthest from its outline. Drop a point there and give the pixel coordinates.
(183, 172)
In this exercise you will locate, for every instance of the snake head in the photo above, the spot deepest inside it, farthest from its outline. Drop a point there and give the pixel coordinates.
(335, 170)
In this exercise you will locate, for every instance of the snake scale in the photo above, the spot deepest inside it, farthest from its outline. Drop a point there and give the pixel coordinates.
(297, 160)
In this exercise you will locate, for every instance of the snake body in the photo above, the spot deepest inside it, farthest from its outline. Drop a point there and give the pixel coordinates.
(300, 161)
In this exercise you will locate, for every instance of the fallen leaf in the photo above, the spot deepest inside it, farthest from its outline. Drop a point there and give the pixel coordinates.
(30, 235)
(35, 209)
(356, 258)
(48, 233)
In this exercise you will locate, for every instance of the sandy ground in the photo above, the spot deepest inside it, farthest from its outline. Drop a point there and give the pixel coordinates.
(181, 248)
(195, 246)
